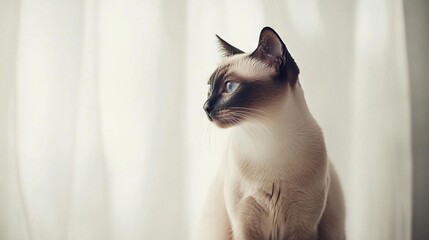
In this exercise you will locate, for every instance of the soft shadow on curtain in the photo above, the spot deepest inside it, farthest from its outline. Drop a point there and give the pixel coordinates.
(102, 133)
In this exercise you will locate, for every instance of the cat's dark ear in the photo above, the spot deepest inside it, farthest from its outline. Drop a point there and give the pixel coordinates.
(227, 49)
(273, 52)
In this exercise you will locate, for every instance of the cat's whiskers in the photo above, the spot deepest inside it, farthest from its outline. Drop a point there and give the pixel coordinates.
(235, 115)
(260, 113)
(251, 116)
(210, 135)
(253, 134)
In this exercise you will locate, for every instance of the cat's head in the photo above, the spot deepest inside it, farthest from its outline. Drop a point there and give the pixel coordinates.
(250, 86)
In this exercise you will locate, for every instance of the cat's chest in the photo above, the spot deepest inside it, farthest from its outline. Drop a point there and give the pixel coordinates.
(271, 200)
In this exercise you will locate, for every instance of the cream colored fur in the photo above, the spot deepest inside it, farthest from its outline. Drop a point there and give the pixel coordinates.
(276, 181)
(247, 68)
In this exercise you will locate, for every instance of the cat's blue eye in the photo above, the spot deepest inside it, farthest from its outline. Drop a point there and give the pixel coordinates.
(231, 86)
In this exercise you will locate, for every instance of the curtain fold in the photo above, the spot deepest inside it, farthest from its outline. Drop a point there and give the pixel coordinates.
(89, 209)
(380, 159)
(102, 132)
(13, 223)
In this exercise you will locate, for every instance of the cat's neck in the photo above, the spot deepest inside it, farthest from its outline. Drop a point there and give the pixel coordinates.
(290, 136)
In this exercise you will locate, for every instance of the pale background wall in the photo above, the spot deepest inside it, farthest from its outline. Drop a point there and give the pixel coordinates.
(102, 133)
(417, 21)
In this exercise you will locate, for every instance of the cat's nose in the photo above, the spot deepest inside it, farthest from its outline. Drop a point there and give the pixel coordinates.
(207, 107)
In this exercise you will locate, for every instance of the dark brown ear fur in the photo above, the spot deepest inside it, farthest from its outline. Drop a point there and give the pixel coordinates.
(227, 49)
(273, 51)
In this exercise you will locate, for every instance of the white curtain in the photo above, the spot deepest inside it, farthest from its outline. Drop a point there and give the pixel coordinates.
(102, 133)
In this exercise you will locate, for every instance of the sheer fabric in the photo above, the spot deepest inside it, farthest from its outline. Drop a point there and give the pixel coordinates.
(102, 132)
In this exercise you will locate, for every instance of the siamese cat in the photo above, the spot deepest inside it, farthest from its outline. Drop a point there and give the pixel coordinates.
(276, 181)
